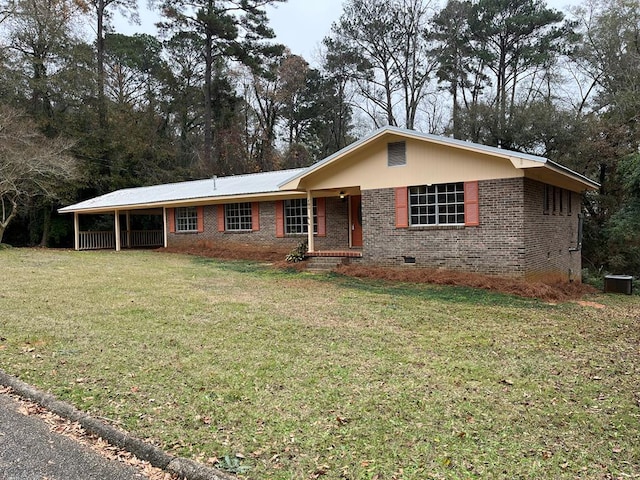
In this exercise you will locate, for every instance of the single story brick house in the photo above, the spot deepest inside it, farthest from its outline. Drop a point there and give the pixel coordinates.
(395, 198)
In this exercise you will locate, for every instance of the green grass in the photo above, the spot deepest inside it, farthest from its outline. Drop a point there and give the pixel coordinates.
(311, 376)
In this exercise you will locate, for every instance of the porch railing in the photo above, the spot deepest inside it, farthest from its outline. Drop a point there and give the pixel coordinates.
(142, 238)
(98, 240)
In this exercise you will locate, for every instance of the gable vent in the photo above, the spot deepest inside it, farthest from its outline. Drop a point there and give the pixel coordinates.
(396, 154)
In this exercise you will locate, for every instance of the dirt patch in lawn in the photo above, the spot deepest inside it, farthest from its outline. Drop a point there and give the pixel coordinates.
(553, 291)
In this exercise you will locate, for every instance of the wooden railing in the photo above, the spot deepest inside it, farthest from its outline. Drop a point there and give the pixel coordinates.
(142, 238)
(96, 240)
(128, 239)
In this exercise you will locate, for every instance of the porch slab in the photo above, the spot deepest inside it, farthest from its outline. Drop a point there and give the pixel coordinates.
(336, 253)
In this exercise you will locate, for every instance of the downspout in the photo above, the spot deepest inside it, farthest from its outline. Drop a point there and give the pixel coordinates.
(310, 247)
(578, 246)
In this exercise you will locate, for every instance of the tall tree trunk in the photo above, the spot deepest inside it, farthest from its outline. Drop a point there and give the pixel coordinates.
(100, 52)
(46, 225)
(7, 216)
(208, 110)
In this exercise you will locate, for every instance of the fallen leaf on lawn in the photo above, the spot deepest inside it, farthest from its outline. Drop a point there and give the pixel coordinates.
(342, 420)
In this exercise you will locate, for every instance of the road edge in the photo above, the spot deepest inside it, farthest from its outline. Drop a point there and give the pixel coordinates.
(182, 467)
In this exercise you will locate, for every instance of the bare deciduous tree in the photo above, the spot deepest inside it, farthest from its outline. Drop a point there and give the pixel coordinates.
(31, 165)
(392, 63)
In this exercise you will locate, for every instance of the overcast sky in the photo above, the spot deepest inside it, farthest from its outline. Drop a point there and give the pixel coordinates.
(302, 24)
(299, 24)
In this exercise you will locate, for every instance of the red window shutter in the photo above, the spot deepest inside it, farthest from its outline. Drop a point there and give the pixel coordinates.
(221, 218)
(280, 219)
(321, 209)
(471, 204)
(171, 212)
(402, 207)
(255, 216)
(200, 212)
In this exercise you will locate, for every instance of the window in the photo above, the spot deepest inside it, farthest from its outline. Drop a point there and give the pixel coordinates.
(295, 216)
(396, 154)
(569, 203)
(237, 216)
(545, 200)
(186, 219)
(441, 204)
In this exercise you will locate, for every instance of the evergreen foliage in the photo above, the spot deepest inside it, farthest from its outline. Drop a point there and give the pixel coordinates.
(214, 95)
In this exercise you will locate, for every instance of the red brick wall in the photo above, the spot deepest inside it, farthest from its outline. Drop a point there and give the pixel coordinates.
(513, 239)
(337, 233)
(550, 237)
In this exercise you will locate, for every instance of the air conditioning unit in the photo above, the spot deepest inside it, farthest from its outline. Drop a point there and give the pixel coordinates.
(618, 284)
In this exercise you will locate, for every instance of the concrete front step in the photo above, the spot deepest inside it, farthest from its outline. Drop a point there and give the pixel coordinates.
(324, 264)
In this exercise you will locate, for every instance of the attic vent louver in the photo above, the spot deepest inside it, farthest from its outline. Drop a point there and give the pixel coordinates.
(396, 154)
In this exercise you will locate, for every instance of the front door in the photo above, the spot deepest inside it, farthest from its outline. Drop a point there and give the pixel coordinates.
(355, 217)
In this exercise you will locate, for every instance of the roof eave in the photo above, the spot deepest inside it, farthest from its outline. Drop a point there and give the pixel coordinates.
(187, 202)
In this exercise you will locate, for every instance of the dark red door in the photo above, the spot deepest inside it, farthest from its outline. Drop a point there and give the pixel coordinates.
(356, 220)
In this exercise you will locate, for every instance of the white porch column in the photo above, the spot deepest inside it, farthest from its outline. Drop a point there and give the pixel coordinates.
(311, 246)
(117, 227)
(128, 245)
(76, 230)
(164, 227)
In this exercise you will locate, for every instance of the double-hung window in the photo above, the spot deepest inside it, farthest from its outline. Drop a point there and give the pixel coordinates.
(295, 216)
(441, 204)
(237, 217)
(186, 219)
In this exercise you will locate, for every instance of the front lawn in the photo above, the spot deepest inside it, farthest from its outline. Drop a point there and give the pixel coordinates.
(298, 376)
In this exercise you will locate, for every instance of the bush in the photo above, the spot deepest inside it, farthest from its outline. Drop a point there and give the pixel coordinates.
(299, 253)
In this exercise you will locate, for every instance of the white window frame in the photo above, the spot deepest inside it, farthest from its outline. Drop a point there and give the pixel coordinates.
(238, 217)
(295, 216)
(440, 204)
(186, 219)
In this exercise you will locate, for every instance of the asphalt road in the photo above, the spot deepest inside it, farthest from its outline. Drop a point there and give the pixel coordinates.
(30, 451)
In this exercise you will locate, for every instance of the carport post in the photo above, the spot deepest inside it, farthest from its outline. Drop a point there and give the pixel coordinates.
(76, 230)
(311, 246)
(165, 228)
(117, 227)
(128, 245)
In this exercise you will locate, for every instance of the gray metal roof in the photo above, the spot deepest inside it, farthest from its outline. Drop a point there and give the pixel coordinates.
(256, 183)
(270, 182)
